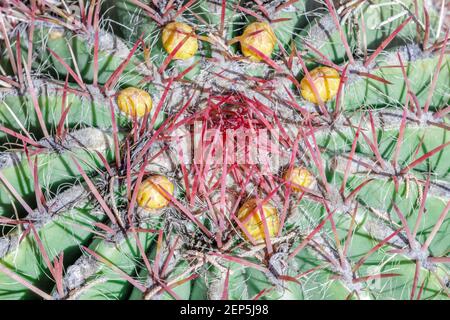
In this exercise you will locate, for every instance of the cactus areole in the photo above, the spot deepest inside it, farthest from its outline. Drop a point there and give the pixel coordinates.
(240, 150)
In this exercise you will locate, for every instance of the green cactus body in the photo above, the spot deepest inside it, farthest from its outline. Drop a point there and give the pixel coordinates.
(372, 17)
(63, 232)
(77, 51)
(53, 170)
(175, 268)
(420, 73)
(103, 281)
(17, 111)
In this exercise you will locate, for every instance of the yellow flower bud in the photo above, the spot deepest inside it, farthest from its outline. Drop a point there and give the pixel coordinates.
(56, 34)
(300, 176)
(173, 34)
(325, 79)
(151, 195)
(134, 102)
(264, 41)
(255, 225)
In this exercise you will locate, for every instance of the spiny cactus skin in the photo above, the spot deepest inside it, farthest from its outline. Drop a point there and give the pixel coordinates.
(355, 207)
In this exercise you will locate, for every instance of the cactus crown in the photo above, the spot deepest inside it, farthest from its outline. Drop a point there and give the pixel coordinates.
(224, 150)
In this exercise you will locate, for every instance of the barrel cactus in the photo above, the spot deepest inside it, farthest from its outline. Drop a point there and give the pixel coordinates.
(231, 149)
